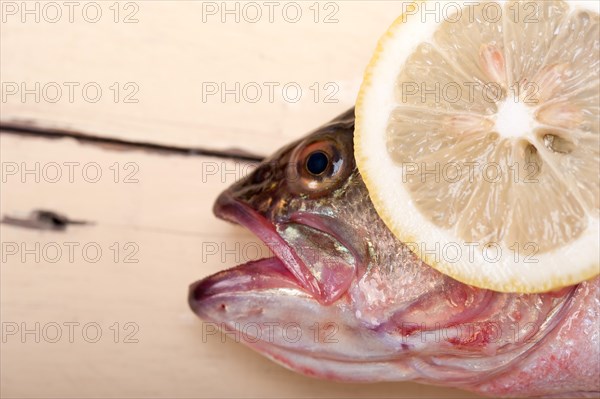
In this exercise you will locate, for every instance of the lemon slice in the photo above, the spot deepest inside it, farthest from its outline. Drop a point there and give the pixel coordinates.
(477, 135)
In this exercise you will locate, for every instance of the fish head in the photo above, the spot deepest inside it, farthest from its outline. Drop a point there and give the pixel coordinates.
(342, 298)
(296, 307)
(292, 201)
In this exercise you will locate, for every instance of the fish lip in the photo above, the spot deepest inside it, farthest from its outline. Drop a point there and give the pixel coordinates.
(227, 207)
(262, 274)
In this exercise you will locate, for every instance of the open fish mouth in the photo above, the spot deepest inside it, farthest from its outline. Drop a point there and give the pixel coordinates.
(230, 209)
(310, 247)
(275, 305)
(284, 270)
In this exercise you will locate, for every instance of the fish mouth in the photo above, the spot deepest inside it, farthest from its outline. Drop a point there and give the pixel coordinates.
(275, 305)
(325, 275)
(232, 210)
(264, 300)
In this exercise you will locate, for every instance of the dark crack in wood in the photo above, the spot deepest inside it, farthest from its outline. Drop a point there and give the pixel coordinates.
(42, 219)
(37, 131)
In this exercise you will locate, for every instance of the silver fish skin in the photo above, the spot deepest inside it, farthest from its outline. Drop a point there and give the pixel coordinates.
(343, 299)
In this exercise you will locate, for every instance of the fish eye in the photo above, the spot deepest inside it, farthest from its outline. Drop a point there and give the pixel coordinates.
(318, 166)
(316, 162)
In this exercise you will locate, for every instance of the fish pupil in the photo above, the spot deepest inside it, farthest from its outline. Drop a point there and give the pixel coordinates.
(317, 162)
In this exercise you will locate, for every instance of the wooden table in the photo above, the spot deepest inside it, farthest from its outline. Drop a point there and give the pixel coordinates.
(99, 309)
